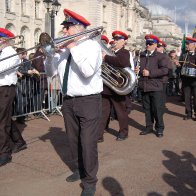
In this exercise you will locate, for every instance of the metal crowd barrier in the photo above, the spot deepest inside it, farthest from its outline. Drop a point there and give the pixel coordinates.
(56, 97)
(37, 96)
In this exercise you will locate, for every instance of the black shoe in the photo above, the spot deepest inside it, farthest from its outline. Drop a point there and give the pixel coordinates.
(77, 175)
(159, 135)
(4, 160)
(187, 118)
(88, 191)
(121, 137)
(18, 147)
(100, 140)
(146, 132)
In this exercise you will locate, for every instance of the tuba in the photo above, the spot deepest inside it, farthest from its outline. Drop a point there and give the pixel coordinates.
(121, 80)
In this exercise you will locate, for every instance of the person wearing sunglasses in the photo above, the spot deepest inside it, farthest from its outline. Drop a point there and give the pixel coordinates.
(188, 75)
(110, 99)
(78, 65)
(153, 67)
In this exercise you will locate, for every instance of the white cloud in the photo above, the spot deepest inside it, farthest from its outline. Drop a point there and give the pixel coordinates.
(185, 10)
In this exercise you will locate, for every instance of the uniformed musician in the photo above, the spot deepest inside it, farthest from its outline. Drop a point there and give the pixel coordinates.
(8, 131)
(153, 66)
(109, 97)
(79, 68)
(188, 75)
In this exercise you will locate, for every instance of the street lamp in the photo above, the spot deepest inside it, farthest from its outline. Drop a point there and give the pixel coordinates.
(52, 6)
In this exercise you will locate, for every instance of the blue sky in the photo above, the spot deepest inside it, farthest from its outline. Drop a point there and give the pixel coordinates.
(185, 10)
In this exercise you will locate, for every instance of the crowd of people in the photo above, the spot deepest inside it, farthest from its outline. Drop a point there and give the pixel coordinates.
(88, 102)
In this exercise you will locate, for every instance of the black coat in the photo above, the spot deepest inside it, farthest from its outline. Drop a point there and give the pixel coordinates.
(157, 64)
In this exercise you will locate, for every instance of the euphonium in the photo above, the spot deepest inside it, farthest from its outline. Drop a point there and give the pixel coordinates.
(121, 80)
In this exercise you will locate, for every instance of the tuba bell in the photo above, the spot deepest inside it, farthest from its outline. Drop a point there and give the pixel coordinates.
(121, 80)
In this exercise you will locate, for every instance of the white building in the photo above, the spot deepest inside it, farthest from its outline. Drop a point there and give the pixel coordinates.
(29, 18)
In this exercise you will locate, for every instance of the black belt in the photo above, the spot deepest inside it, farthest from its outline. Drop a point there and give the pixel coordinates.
(72, 97)
(8, 85)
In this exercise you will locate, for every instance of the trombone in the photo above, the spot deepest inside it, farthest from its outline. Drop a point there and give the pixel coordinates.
(48, 44)
(20, 41)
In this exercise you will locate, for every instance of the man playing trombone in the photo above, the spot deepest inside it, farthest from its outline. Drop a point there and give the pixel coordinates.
(79, 68)
(8, 130)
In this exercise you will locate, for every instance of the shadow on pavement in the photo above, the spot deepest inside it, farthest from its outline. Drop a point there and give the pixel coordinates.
(58, 139)
(175, 100)
(136, 125)
(182, 176)
(174, 113)
(112, 132)
(154, 194)
(112, 186)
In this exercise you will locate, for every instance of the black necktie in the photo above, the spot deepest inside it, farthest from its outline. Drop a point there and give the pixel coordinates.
(65, 79)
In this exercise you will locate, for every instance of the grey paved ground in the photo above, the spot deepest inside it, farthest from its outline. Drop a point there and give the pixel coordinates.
(139, 166)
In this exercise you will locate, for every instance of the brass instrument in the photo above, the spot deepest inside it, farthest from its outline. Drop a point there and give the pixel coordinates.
(49, 46)
(13, 41)
(121, 81)
(18, 65)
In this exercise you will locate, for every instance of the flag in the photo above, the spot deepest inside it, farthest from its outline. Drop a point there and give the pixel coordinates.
(183, 47)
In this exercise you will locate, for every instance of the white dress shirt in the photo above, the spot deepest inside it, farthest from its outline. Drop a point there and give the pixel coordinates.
(85, 68)
(9, 77)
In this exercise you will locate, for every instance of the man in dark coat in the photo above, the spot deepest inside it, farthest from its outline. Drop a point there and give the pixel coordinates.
(109, 97)
(188, 75)
(153, 67)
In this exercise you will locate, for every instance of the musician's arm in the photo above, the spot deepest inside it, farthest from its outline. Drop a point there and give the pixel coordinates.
(10, 62)
(122, 59)
(88, 61)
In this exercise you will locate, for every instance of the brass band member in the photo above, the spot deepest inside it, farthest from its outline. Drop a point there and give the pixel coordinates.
(153, 66)
(109, 97)
(8, 130)
(79, 68)
(189, 79)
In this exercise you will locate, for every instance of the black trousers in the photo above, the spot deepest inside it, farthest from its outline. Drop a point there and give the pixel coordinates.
(153, 104)
(82, 117)
(8, 131)
(189, 88)
(120, 106)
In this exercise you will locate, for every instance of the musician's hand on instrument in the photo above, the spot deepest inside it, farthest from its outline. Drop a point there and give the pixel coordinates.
(146, 72)
(71, 44)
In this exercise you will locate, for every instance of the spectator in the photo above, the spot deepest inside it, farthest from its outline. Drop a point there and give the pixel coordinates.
(24, 85)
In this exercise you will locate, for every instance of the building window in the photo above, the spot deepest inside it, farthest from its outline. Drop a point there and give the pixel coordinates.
(8, 5)
(24, 33)
(36, 36)
(23, 7)
(37, 4)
